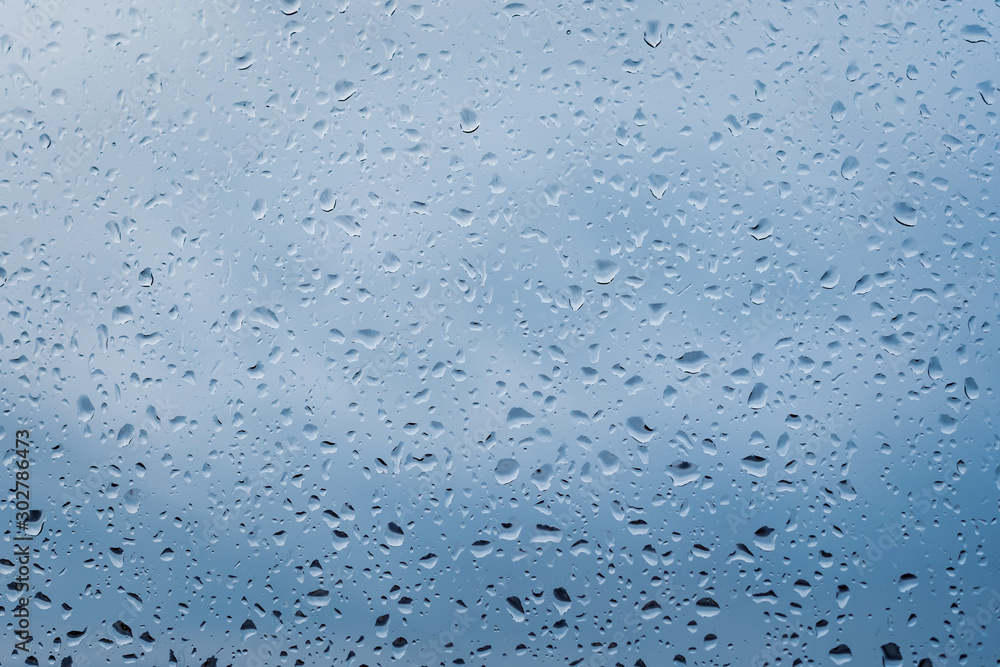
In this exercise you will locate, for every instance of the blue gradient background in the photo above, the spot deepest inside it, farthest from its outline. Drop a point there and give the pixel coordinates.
(297, 368)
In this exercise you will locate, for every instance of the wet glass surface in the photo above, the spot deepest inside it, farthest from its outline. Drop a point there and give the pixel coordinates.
(582, 333)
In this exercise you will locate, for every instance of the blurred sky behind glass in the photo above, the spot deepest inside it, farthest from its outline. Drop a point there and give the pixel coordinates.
(578, 334)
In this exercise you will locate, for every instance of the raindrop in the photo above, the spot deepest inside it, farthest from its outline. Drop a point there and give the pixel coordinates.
(468, 121)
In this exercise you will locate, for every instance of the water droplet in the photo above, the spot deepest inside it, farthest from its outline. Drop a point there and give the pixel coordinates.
(507, 471)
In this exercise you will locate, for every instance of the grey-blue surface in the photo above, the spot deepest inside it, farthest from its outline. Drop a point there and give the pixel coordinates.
(475, 333)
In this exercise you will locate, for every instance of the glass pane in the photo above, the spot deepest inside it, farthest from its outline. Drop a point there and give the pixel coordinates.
(458, 333)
